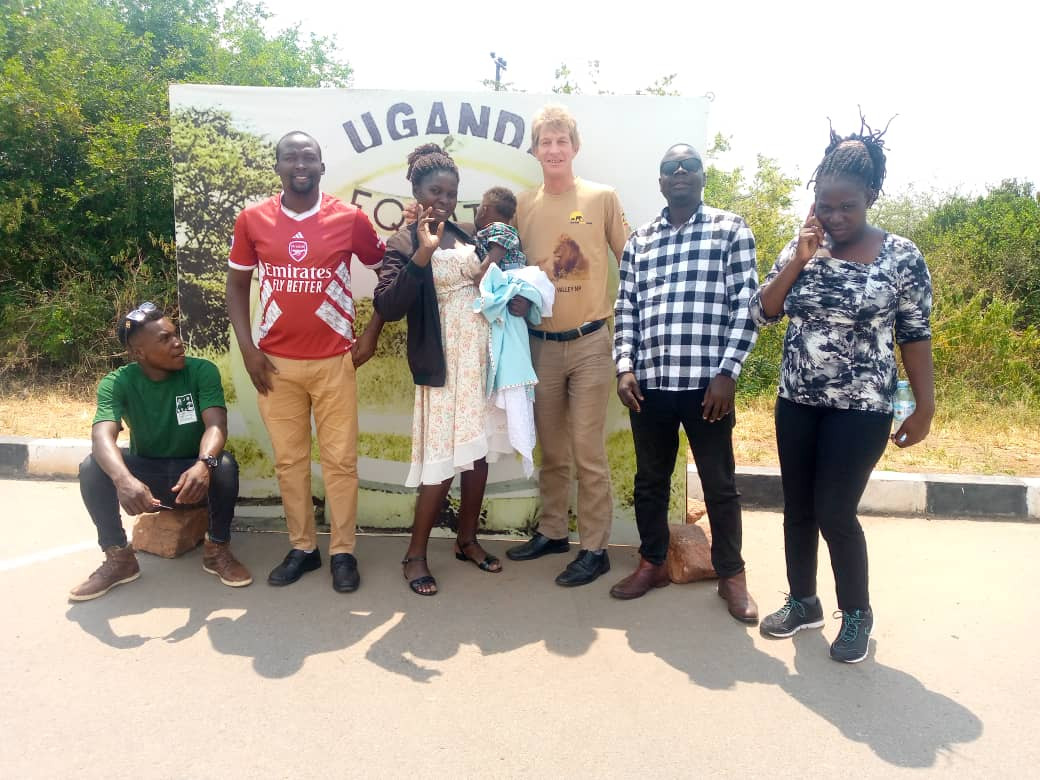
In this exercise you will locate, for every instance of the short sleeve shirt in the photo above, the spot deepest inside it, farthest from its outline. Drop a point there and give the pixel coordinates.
(570, 236)
(506, 237)
(165, 418)
(306, 302)
(845, 318)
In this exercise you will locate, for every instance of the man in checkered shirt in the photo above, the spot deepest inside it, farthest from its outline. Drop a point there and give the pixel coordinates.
(682, 333)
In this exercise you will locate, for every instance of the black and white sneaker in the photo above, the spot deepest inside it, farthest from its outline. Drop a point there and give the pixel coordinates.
(851, 645)
(791, 618)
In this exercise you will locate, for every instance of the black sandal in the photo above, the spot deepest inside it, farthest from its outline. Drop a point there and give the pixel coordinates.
(484, 565)
(418, 582)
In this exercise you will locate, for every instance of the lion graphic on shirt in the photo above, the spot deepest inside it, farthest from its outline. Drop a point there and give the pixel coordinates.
(568, 261)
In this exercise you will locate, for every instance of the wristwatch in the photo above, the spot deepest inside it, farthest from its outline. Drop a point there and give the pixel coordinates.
(210, 461)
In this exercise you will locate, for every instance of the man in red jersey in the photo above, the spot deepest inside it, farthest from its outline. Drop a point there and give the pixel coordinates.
(301, 241)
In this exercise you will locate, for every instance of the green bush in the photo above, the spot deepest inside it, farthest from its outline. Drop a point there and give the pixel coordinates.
(621, 456)
(71, 328)
(86, 171)
(761, 372)
(989, 243)
(984, 257)
(978, 351)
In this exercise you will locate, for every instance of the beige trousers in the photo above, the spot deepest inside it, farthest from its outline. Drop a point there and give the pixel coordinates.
(328, 388)
(575, 379)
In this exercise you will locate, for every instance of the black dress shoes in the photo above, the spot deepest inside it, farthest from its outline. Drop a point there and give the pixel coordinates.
(296, 564)
(345, 577)
(538, 546)
(584, 569)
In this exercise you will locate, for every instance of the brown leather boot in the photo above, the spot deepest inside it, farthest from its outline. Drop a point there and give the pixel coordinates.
(217, 559)
(120, 566)
(741, 605)
(646, 576)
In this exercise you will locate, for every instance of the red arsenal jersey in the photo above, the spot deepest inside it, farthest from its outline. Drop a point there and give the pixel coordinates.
(306, 305)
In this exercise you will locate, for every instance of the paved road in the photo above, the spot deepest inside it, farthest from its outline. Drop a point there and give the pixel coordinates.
(178, 676)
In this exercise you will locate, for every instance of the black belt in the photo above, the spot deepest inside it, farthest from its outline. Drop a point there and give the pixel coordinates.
(569, 335)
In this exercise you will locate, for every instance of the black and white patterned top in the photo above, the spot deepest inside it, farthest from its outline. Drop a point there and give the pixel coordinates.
(838, 351)
(681, 315)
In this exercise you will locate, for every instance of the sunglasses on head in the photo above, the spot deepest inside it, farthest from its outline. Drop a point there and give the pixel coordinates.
(688, 164)
(134, 319)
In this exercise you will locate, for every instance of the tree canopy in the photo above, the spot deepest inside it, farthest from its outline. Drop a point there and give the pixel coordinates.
(86, 184)
(87, 180)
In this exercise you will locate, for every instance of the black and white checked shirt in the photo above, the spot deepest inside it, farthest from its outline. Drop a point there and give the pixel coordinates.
(681, 315)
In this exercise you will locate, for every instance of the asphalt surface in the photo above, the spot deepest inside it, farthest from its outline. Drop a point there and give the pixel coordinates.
(508, 675)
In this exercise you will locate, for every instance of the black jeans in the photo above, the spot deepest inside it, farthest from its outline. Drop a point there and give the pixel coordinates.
(159, 474)
(655, 433)
(826, 456)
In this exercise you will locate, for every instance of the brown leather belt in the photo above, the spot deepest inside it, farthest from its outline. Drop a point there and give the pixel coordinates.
(568, 335)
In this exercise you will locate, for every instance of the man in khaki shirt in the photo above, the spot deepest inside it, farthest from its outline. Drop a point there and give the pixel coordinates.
(566, 227)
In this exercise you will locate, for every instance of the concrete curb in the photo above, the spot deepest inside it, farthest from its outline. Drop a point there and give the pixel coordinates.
(54, 458)
(893, 492)
(888, 492)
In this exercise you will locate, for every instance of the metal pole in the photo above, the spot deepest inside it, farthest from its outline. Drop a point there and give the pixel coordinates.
(500, 65)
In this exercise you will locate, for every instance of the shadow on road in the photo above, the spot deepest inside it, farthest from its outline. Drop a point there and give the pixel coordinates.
(903, 722)
(686, 627)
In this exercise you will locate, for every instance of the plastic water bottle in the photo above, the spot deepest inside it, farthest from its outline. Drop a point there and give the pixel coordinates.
(903, 404)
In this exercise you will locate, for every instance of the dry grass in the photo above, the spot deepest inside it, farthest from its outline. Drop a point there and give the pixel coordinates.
(971, 441)
(979, 440)
(46, 409)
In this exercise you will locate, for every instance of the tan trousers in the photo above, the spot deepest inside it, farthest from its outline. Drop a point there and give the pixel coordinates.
(575, 379)
(327, 387)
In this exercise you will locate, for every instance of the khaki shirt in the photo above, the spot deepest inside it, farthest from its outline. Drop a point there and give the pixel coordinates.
(569, 236)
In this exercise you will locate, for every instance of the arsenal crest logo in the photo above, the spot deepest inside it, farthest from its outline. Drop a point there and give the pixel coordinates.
(297, 250)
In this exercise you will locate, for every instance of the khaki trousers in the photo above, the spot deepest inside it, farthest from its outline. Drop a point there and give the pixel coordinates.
(328, 388)
(575, 379)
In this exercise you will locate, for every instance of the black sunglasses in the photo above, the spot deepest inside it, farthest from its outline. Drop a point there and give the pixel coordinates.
(134, 319)
(688, 164)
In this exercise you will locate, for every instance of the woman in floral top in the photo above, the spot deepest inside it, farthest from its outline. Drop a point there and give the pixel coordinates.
(430, 276)
(850, 291)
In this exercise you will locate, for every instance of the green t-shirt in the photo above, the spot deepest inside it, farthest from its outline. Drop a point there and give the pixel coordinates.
(165, 418)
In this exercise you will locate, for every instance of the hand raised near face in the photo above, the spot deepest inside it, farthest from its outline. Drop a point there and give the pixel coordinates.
(428, 241)
(810, 238)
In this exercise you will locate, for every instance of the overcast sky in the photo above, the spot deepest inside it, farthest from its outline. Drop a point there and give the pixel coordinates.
(962, 78)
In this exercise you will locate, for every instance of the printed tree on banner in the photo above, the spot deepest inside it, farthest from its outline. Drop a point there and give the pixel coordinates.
(218, 169)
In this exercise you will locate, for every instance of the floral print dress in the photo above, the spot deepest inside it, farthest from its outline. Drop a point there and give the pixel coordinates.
(449, 424)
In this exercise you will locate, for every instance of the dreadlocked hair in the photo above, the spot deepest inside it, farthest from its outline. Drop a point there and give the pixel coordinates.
(427, 159)
(859, 156)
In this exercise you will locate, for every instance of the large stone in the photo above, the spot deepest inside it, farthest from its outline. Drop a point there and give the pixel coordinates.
(171, 533)
(689, 552)
(695, 510)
